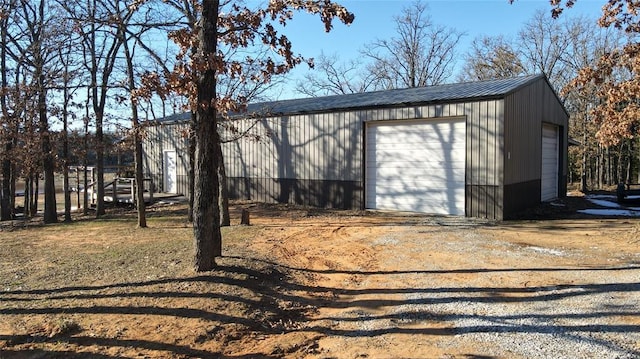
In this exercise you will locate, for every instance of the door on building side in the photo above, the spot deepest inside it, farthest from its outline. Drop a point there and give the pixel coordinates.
(170, 166)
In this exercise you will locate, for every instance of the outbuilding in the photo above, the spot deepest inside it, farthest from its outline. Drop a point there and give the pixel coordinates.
(486, 149)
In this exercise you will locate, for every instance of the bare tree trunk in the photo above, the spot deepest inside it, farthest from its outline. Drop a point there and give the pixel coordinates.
(192, 154)
(599, 167)
(620, 165)
(206, 212)
(78, 189)
(65, 185)
(99, 187)
(629, 167)
(141, 206)
(6, 212)
(48, 161)
(223, 198)
(65, 154)
(137, 141)
(98, 93)
(48, 164)
(100, 63)
(606, 167)
(85, 162)
(12, 183)
(584, 154)
(35, 187)
(27, 196)
(593, 171)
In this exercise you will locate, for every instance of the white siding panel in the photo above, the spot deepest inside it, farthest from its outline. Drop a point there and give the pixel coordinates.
(550, 166)
(416, 166)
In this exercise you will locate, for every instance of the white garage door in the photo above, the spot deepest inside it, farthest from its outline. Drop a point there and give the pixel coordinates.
(416, 166)
(549, 186)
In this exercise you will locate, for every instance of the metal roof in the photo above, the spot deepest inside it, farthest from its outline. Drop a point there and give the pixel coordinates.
(387, 98)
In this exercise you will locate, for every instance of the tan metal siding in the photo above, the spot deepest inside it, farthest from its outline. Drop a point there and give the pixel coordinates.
(484, 158)
(296, 158)
(317, 147)
(314, 148)
(526, 111)
(160, 138)
(328, 147)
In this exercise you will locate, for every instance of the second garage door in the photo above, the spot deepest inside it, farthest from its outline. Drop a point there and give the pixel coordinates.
(549, 178)
(416, 166)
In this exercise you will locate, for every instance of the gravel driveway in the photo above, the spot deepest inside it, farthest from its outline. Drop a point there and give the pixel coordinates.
(469, 290)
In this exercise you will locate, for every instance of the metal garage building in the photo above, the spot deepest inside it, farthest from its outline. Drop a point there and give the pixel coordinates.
(482, 149)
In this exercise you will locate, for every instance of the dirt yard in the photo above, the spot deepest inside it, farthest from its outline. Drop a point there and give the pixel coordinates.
(304, 283)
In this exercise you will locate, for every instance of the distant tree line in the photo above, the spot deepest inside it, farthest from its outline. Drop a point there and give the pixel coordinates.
(68, 70)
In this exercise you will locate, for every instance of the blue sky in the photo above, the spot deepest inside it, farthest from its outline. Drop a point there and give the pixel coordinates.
(374, 19)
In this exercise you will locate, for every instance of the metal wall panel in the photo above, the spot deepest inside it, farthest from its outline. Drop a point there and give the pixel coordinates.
(282, 155)
(315, 147)
(166, 137)
(526, 110)
(484, 158)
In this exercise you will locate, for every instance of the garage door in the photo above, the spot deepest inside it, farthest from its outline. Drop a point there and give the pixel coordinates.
(416, 166)
(550, 165)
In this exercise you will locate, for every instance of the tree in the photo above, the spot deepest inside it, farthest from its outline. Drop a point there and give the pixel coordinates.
(543, 44)
(6, 131)
(615, 74)
(421, 54)
(33, 46)
(559, 48)
(228, 86)
(241, 27)
(587, 44)
(69, 73)
(491, 58)
(333, 77)
(122, 22)
(612, 84)
(131, 23)
(100, 46)
(616, 78)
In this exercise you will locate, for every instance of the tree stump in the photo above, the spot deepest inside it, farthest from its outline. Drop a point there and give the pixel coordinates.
(245, 217)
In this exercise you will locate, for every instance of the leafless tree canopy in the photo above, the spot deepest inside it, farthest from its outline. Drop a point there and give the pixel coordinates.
(491, 58)
(421, 53)
(335, 77)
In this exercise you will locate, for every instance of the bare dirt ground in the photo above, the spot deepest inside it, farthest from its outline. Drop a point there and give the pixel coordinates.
(308, 283)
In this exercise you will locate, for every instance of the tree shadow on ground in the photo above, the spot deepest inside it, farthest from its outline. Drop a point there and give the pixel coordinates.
(272, 302)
